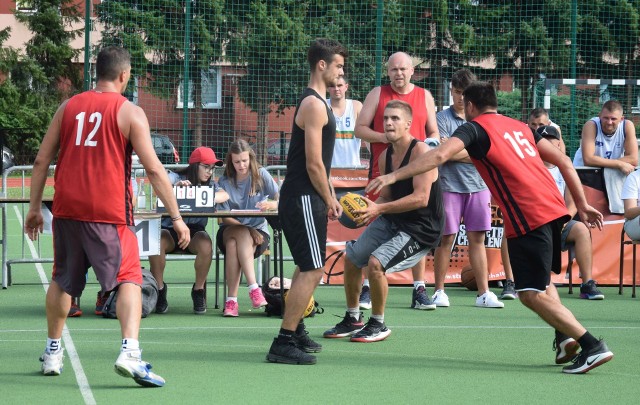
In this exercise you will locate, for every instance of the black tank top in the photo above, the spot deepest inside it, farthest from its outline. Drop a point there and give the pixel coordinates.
(297, 181)
(422, 224)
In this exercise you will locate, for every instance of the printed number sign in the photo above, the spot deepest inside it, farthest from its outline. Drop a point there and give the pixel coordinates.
(192, 199)
(148, 234)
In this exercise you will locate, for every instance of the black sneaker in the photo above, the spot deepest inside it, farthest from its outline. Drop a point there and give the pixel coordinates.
(199, 298)
(373, 331)
(365, 298)
(304, 342)
(589, 291)
(162, 306)
(509, 290)
(588, 359)
(565, 350)
(288, 353)
(420, 299)
(347, 327)
(101, 299)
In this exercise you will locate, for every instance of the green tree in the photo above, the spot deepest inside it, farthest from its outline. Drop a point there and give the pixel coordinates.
(39, 77)
(355, 25)
(268, 37)
(155, 33)
(609, 44)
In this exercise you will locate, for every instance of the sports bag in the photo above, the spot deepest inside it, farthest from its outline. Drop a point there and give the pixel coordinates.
(271, 292)
(149, 297)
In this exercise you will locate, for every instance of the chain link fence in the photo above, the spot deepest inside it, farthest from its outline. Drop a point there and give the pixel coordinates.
(209, 71)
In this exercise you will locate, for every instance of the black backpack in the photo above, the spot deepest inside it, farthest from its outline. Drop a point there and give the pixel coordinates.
(149, 297)
(274, 302)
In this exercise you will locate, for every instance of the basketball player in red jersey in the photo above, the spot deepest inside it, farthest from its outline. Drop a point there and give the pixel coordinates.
(93, 134)
(509, 157)
(370, 128)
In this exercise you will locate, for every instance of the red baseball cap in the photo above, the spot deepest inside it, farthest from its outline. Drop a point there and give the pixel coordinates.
(205, 155)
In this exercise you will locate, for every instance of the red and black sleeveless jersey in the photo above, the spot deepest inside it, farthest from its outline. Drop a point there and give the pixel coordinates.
(93, 171)
(516, 176)
(418, 124)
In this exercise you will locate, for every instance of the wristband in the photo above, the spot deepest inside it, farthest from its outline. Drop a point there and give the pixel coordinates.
(178, 218)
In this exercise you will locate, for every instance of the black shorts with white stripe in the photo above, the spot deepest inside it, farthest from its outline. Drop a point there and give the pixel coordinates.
(304, 224)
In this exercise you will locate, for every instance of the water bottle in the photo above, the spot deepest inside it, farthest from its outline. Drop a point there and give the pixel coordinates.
(142, 197)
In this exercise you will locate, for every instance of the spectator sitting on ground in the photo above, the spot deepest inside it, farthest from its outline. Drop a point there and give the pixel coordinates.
(249, 186)
(202, 162)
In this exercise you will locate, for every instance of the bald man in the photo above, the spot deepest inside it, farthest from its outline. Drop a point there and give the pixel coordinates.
(370, 128)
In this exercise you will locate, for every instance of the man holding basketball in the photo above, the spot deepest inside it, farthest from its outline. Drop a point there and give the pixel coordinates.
(510, 158)
(404, 223)
(370, 128)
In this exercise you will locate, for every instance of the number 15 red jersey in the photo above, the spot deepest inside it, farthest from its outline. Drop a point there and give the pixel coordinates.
(517, 177)
(93, 171)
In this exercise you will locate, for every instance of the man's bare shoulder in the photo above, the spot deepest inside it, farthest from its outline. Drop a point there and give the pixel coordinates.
(312, 107)
(419, 149)
(375, 92)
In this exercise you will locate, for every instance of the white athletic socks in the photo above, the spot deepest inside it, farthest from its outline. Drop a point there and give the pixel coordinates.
(130, 344)
(53, 345)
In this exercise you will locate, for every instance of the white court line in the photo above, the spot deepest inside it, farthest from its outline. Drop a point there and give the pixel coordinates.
(321, 327)
(81, 377)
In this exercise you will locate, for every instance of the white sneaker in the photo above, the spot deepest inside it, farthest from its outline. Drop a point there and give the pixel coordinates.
(440, 298)
(52, 362)
(129, 364)
(488, 300)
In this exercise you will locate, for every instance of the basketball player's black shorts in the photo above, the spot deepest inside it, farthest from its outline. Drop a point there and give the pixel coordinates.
(535, 255)
(304, 224)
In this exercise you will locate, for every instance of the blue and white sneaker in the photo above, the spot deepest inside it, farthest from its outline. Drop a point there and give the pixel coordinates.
(589, 291)
(129, 364)
(420, 299)
(365, 298)
(52, 363)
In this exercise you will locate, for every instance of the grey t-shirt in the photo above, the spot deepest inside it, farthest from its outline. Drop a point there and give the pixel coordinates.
(239, 198)
(456, 177)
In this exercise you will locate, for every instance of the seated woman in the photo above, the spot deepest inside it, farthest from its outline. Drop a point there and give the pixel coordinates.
(244, 239)
(631, 199)
(202, 162)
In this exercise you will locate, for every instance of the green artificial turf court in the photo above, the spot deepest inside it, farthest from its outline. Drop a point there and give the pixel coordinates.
(455, 355)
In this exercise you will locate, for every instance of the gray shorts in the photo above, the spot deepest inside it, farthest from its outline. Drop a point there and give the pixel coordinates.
(395, 249)
(565, 234)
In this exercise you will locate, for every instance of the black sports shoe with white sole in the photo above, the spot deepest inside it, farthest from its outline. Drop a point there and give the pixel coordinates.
(589, 359)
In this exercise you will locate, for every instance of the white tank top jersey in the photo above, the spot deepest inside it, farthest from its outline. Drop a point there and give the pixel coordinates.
(346, 151)
(607, 146)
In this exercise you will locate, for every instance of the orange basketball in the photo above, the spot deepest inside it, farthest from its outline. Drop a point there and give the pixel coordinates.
(468, 278)
(351, 202)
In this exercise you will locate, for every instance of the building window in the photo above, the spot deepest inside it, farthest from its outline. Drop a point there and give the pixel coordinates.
(131, 93)
(211, 82)
(25, 5)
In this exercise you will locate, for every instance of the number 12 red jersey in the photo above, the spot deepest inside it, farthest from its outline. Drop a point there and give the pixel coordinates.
(93, 171)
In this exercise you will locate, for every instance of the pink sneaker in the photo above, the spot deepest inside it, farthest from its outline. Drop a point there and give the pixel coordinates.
(257, 299)
(230, 309)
